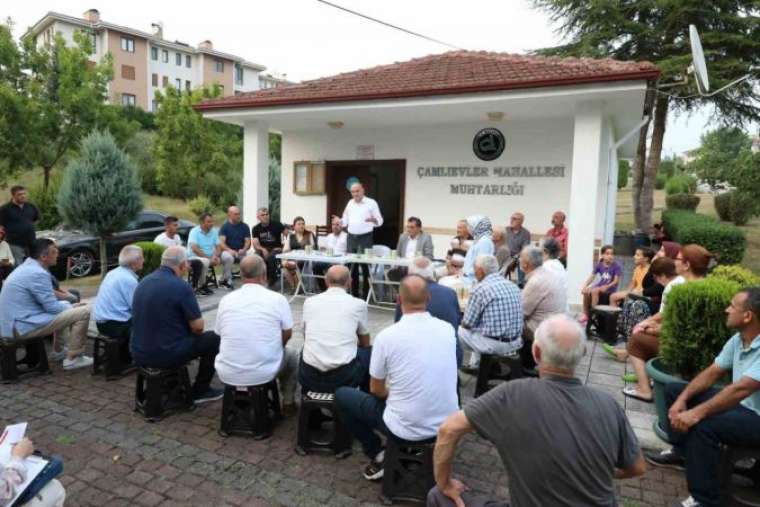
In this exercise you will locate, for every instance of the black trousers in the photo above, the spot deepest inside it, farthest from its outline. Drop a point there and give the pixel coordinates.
(357, 244)
(121, 331)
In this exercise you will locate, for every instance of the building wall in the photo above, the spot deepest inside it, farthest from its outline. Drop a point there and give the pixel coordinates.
(210, 75)
(138, 60)
(171, 70)
(529, 143)
(250, 80)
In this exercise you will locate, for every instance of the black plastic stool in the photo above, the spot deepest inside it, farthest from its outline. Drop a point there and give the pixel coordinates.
(336, 438)
(162, 392)
(250, 410)
(106, 356)
(407, 471)
(732, 495)
(602, 323)
(35, 360)
(499, 368)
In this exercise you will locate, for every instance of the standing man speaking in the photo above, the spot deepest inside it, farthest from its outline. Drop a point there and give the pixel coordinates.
(360, 218)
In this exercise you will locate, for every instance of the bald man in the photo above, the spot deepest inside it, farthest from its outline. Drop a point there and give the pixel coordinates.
(582, 433)
(360, 218)
(336, 347)
(413, 380)
(234, 240)
(559, 233)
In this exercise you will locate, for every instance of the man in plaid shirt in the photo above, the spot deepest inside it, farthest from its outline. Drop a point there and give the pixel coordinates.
(493, 320)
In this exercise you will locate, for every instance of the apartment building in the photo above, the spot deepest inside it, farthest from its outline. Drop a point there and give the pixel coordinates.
(145, 62)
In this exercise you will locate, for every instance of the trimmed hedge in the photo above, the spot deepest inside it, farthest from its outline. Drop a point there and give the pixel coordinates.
(694, 325)
(726, 242)
(722, 204)
(742, 207)
(743, 276)
(659, 181)
(681, 184)
(152, 257)
(682, 201)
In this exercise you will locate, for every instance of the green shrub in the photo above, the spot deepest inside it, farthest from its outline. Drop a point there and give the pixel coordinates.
(682, 201)
(140, 151)
(725, 241)
(624, 169)
(152, 254)
(659, 181)
(733, 273)
(742, 207)
(680, 184)
(47, 202)
(722, 203)
(200, 204)
(694, 325)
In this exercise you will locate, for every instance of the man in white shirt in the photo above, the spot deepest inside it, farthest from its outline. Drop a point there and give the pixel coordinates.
(170, 237)
(413, 380)
(336, 347)
(553, 264)
(336, 243)
(360, 218)
(255, 324)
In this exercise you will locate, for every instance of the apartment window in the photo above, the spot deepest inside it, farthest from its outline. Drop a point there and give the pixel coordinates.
(128, 99)
(188, 86)
(165, 81)
(219, 65)
(154, 105)
(128, 72)
(178, 59)
(154, 79)
(238, 75)
(178, 84)
(188, 61)
(128, 44)
(94, 42)
(154, 54)
(165, 56)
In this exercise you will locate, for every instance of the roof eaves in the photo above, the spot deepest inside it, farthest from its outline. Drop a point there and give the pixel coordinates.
(219, 54)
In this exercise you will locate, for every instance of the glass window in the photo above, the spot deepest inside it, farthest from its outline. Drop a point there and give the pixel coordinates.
(154, 54)
(219, 65)
(188, 86)
(155, 105)
(94, 42)
(165, 56)
(165, 81)
(178, 83)
(128, 100)
(154, 79)
(188, 61)
(238, 75)
(178, 59)
(128, 44)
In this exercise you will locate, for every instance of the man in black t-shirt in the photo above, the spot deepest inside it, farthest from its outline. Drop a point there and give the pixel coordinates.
(18, 217)
(267, 241)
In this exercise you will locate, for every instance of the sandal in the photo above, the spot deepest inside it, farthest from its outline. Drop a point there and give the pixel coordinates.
(632, 392)
(615, 352)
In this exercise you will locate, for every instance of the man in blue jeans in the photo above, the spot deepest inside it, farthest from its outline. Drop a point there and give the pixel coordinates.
(413, 380)
(701, 417)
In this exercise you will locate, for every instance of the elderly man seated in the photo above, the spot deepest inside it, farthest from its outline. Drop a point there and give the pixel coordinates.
(255, 324)
(413, 380)
(493, 320)
(451, 275)
(336, 243)
(543, 296)
(204, 245)
(562, 443)
(443, 303)
(559, 233)
(167, 325)
(113, 304)
(702, 416)
(234, 240)
(336, 349)
(29, 308)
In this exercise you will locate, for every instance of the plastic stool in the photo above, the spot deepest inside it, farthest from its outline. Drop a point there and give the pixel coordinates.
(250, 410)
(336, 439)
(162, 392)
(35, 359)
(106, 356)
(408, 471)
(732, 495)
(501, 368)
(602, 322)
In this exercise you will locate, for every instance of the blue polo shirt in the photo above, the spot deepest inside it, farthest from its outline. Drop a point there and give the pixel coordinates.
(743, 362)
(162, 308)
(206, 241)
(235, 234)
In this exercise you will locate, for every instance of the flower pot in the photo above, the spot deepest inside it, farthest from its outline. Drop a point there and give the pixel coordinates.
(661, 376)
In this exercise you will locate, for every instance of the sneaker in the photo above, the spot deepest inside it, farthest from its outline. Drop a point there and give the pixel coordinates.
(204, 291)
(209, 394)
(77, 362)
(667, 458)
(60, 355)
(688, 502)
(374, 471)
(226, 284)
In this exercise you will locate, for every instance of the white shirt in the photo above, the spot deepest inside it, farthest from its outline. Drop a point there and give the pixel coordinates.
(356, 214)
(164, 240)
(339, 243)
(250, 322)
(555, 267)
(417, 358)
(675, 281)
(452, 281)
(411, 247)
(332, 321)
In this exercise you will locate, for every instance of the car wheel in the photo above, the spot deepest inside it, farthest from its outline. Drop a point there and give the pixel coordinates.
(81, 263)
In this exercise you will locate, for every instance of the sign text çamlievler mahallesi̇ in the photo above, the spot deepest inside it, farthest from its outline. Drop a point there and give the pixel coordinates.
(554, 171)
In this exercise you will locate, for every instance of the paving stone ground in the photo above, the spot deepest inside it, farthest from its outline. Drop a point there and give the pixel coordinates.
(113, 457)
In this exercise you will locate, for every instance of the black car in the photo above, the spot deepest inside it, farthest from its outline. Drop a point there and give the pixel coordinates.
(80, 251)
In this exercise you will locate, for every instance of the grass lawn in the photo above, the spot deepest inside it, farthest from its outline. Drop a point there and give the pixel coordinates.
(624, 222)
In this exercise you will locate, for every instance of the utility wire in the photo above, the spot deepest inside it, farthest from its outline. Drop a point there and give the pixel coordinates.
(388, 24)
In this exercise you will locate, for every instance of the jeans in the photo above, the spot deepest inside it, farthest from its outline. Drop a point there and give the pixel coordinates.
(52, 470)
(357, 244)
(362, 413)
(353, 374)
(700, 446)
(121, 331)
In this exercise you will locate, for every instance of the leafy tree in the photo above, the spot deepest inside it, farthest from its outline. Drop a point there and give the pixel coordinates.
(140, 150)
(100, 192)
(719, 153)
(624, 168)
(657, 30)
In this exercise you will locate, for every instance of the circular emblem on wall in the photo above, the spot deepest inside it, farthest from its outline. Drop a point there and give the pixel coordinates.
(488, 144)
(350, 181)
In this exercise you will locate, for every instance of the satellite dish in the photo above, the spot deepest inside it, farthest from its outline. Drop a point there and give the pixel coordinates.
(698, 58)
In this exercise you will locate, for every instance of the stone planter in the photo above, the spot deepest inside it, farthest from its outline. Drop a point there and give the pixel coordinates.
(661, 377)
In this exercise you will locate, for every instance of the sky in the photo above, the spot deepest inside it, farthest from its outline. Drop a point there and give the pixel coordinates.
(306, 39)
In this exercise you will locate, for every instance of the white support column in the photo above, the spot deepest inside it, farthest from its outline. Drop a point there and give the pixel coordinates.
(584, 182)
(255, 170)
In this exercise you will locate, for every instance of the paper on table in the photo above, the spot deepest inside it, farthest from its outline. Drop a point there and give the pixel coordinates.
(12, 435)
(34, 465)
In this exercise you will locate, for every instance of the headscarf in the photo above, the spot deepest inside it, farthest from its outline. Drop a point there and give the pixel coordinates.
(479, 226)
(671, 249)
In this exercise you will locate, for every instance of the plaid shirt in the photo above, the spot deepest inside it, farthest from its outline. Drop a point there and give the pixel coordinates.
(495, 309)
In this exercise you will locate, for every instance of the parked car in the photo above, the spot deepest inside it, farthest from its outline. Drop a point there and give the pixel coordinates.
(79, 252)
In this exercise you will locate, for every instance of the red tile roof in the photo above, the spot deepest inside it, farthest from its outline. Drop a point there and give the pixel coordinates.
(442, 74)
